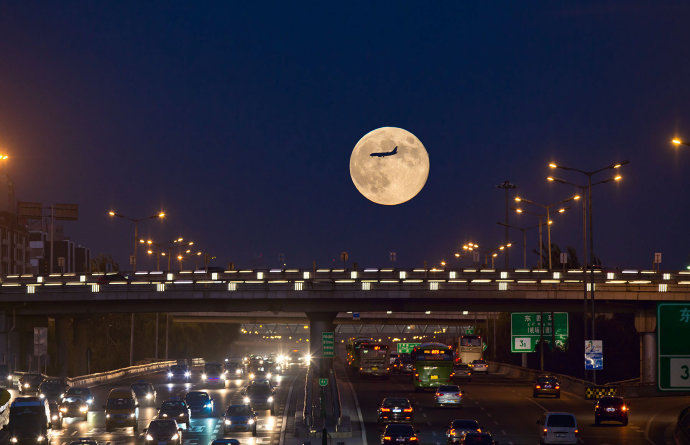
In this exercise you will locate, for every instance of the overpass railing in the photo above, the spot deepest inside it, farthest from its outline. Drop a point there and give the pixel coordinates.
(341, 279)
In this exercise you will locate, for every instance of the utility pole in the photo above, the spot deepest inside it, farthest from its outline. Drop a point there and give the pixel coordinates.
(507, 186)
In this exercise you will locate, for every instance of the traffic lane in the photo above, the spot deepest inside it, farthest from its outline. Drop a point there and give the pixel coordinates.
(202, 429)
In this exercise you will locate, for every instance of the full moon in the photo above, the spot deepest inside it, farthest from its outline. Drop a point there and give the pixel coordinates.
(389, 166)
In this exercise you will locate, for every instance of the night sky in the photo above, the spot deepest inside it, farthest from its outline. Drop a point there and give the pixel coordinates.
(238, 119)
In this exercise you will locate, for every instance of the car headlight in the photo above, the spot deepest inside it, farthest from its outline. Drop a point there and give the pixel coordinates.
(170, 374)
(268, 375)
(245, 400)
(250, 421)
(149, 437)
(270, 399)
(165, 415)
(55, 417)
(62, 396)
(40, 438)
(63, 409)
(107, 416)
(149, 396)
(238, 371)
(42, 396)
(203, 376)
(251, 376)
(84, 409)
(13, 439)
(26, 385)
(227, 422)
(9, 377)
(89, 401)
(187, 374)
(131, 416)
(175, 437)
(307, 357)
(181, 415)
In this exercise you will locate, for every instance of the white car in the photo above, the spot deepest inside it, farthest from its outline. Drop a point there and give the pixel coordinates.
(480, 366)
(448, 395)
(558, 428)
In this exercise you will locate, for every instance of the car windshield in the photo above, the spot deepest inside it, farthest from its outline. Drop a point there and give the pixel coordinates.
(239, 410)
(398, 403)
(78, 392)
(465, 424)
(448, 388)
(399, 430)
(140, 387)
(258, 389)
(120, 403)
(172, 405)
(213, 368)
(561, 420)
(610, 401)
(544, 380)
(33, 378)
(196, 397)
(178, 368)
(162, 427)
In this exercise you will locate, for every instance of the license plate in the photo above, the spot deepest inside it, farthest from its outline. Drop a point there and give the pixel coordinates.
(434, 377)
(400, 439)
(374, 368)
(162, 443)
(560, 435)
(547, 386)
(397, 410)
(610, 409)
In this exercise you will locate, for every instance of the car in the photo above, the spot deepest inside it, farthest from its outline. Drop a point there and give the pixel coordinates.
(224, 442)
(475, 438)
(448, 395)
(259, 395)
(480, 366)
(145, 393)
(199, 403)
(29, 383)
(239, 418)
(392, 357)
(399, 434)
(113, 277)
(462, 371)
(558, 428)
(55, 415)
(213, 375)
(175, 409)
(547, 385)
(29, 420)
(163, 432)
(6, 377)
(76, 402)
(459, 427)
(233, 369)
(406, 365)
(179, 373)
(395, 409)
(611, 408)
(52, 390)
(121, 410)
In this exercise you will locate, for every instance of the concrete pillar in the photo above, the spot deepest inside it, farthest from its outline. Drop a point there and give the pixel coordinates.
(64, 334)
(645, 324)
(320, 322)
(81, 339)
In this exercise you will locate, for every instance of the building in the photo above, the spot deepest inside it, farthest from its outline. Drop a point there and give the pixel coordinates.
(14, 236)
(68, 257)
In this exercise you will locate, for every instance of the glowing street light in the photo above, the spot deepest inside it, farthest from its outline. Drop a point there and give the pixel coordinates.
(677, 142)
(136, 221)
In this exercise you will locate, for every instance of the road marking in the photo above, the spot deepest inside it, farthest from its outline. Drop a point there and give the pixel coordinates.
(646, 430)
(495, 422)
(503, 432)
(359, 413)
(538, 404)
(424, 415)
(281, 441)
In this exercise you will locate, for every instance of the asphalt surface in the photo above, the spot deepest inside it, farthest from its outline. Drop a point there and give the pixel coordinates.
(506, 408)
(201, 431)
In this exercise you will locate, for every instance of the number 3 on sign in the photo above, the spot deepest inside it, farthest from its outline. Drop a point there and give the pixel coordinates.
(680, 372)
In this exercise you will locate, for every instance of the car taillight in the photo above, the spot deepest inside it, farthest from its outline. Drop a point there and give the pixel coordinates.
(479, 430)
(386, 437)
(438, 394)
(624, 408)
(576, 432)
(408, 410)
(459, 394)
(385, 410)
(545, 431)
(452, 431)
(538, 386)
(452, 374)
(413, 438)
(558, 387)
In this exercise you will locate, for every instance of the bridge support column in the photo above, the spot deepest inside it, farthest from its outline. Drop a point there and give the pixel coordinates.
(320, 322)
(80, 344)
(645, 324)
(63, 334)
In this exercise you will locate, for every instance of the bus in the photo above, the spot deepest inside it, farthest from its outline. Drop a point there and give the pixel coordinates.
(433, 365)
(374, 360)
(470, 348)
(353, 346)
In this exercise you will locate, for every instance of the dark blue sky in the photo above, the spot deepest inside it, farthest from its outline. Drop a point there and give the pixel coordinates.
(239, 120)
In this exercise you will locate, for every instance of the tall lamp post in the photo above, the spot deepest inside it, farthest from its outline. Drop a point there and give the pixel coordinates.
(589, 174)
(507, 186)
(548, 216)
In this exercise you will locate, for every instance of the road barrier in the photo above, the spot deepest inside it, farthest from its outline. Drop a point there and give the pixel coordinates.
(597, 392)
(568, 383)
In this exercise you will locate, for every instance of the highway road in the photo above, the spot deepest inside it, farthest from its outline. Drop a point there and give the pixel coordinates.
(202, 430)
(505, 407)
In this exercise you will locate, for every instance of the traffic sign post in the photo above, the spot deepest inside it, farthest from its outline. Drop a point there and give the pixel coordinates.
(328, 344)
(323, 382)
(673, 347)
(525, 329)
(594, 355)
(406, 348)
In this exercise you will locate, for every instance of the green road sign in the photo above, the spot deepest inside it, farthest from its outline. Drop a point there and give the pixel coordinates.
(406, 348)
(323, 382)
(673, 347)
(525, 329)
(328, 344)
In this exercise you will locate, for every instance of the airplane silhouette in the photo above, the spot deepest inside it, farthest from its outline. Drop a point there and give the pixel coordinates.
(385, 153)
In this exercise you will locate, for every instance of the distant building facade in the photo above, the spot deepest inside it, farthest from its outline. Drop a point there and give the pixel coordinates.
(14, 236)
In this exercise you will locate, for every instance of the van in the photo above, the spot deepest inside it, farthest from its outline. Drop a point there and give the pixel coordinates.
(121, 409)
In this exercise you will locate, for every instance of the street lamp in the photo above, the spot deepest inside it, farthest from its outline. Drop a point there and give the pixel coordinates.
(548, 216)
(675, 141)
(541, 217)
(136, 221)
(590, 174)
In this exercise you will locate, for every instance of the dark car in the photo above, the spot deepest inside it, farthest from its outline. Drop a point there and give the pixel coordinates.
(163, 432)
(547, 385)
(29, 383)
(145, 392)
(259, 395)
(29, 421)
(175, 409)
(462, 371)
(475, 438)
(399, 434)
(213, 375)
(179, 373)
(611, 408)
(55, 416)
(52, 390)
(76, 402)
(459, 427)
(395, 409)
(199, 403)
(240, 418)
(406, 364)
